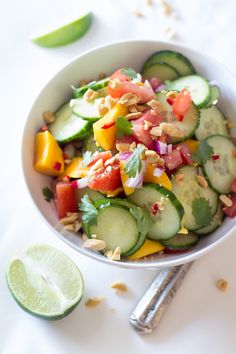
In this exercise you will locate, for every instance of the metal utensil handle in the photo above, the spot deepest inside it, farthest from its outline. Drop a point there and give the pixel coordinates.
(148, 312)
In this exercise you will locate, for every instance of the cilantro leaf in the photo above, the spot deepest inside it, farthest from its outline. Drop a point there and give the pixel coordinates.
(129, 72)
(89, 211)
(134, 163)
(87, 158)
(143, 219)
(124, 127)
(48, 194)
(203, 153)
(201, 211)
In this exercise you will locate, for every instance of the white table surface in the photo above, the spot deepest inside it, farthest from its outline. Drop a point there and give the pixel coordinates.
(201, 319)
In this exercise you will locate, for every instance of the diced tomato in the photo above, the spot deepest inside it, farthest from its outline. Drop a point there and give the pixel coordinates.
(173, 160)
(233, 186)
(186, 154)
(65, 199)
(105, 155)
(125, 86)
(231, 211)
(107, 180)
(181, 104)
(141, 135)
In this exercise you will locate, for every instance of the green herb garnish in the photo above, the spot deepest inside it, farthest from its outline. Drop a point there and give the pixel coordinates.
(134, 163)
(203, 153)
(124, 127)
(201, 211)
(48, 194)
(129, 72)
(89, 211)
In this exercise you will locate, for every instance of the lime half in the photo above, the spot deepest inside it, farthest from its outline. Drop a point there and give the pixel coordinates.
(65, 34)
(45, 282)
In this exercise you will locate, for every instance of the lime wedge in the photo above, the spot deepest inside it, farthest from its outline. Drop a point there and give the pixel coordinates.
(65, 34)
(45, 282)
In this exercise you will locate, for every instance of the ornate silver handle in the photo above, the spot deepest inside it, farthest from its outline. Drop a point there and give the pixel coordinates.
(148, 312)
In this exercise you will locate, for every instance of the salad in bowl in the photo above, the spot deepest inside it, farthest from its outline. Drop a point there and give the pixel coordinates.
(140, 163)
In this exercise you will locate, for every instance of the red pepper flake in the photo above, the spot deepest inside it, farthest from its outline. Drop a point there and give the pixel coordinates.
(179, 117)
(215, 157)
(74, 184)
(234, 153)
(44, 128)
(57, 166)
(170, 100)
(154, 209)
(108, 125)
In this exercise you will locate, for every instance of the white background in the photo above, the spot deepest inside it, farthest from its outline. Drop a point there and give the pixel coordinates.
(201, 319)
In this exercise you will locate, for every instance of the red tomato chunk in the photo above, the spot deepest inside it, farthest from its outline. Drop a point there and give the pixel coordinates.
(65, 199)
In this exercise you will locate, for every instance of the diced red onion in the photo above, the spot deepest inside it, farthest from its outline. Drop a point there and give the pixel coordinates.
(160, 147)
(158, 171)
(161, 87)
(124, 155)
(169, 148)
(155, 82)
(137, 181)
(80, 183)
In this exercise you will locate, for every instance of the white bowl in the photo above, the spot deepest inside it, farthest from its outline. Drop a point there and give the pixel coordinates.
(107, 59)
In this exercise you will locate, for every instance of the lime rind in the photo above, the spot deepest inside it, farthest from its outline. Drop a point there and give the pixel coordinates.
(45, 282)
(66, 34)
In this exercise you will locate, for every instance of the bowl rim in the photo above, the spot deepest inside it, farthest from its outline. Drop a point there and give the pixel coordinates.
(154, 264)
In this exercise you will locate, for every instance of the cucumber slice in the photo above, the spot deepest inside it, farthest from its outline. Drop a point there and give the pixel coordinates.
(93, 195)
(68, 126)
(177, 60)
(181, 242)
(188, 191)
(188, 125)
(215, 95)
(198, 87)
(212, 122)
(90, 144)
(161, 71)
(172, 210)
(144, 220)
(84, 109)
(94, 85)
(221, 172)
(215, 222)
(117, 227)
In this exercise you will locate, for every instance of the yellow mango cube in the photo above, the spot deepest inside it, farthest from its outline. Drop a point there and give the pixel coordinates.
(149, 247)
(48, 155)
(106, 138)
(163, 180)
(76, 169)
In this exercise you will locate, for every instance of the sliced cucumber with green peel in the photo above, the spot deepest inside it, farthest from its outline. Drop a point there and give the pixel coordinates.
(215, 222)
(177, 60)
(198, 87)
(215, 95)
(85, 109)
(94, 85)
(44, 282)
(161, 71)
(90, 144)
(93, 195)
(181, 241)
(68, 126)
(188, 125)
(189, 192)
(221, 172)
(117, 227)
(162, 228)
(141, 215)
(212, 121)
